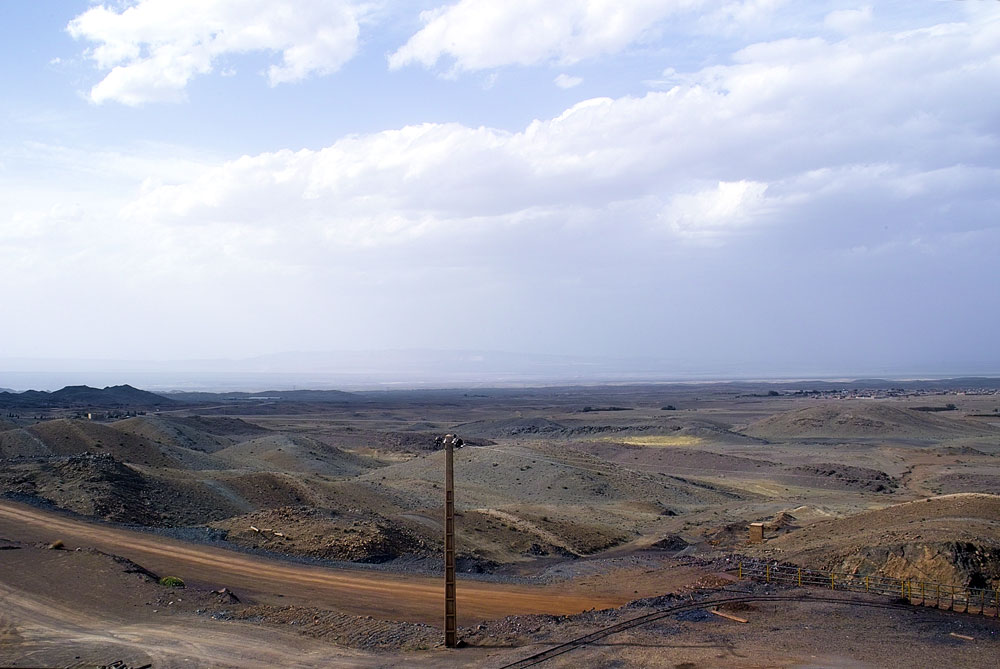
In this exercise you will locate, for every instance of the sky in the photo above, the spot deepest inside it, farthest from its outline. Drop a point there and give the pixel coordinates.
(752, 186)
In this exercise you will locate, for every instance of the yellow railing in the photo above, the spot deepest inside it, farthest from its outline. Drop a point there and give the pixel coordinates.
(981, 601)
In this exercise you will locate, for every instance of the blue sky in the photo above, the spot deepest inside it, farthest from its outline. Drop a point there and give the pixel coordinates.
(752, 185)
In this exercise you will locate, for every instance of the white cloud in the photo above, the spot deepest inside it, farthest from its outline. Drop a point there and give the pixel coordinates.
(716, 211)
(784, 161)
(564, 80)
(724, 149)
(483, 34)
(153, 48)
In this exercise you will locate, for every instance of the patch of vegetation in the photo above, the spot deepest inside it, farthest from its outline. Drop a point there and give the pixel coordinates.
(172, 582)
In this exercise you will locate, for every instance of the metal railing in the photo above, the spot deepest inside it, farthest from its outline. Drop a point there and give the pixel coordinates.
(979, 601)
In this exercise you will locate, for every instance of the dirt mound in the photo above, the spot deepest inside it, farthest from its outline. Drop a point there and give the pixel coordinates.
(832, 475)
(495, 477)
(950, 539)
(514, 533)
(957, 483)
(63, 437)
(960, 450)
(509, 427)
(350, 537)
(265, 490)
(673, 458)
(293, 453)
(167, 432)
(220, 426)
(728, 536)
(103, 487)
(671, 543)
(414, 441)
(20, 443)
(91, 485)
(862, 420)
(782, 521)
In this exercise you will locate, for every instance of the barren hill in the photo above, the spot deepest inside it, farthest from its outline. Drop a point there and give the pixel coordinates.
(103, 487)
(862, 419)
(75, 437)
(491, 477)
(293, 453)
(196, 433)
(510, 427)
(949, 539)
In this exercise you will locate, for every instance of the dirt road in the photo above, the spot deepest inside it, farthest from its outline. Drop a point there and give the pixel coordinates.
(384, 595)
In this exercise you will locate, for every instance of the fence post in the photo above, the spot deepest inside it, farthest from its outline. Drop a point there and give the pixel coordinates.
(833, 581)
(982, 602)
(767, 573)
(938, 586)
(739, 572)
(800, 577)
(866, 582)
(923, 595)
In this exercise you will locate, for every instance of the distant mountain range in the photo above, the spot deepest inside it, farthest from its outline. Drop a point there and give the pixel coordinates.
(311, 396)
(112, 397)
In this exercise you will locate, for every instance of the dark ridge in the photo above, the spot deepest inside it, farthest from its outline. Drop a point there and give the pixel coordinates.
(83, 396)
(313, 396)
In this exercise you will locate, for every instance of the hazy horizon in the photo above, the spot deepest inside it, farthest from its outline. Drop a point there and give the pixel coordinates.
(360, 370)
(736, 189)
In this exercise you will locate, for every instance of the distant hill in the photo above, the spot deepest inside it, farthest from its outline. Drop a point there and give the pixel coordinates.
(843, 420)
(313, 396)
(116, 397)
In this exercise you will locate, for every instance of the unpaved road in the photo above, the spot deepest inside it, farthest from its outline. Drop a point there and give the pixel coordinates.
(36, 632)
(390, 596)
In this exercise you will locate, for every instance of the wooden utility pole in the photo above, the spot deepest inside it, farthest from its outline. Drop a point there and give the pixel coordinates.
(450, 611)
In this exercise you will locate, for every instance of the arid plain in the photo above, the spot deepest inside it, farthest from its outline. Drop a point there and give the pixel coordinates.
(307, 526)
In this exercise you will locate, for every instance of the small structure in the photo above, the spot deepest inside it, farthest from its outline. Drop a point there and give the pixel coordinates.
(756, 533)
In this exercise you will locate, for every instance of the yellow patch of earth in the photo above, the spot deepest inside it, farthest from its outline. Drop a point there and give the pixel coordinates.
(657, 440)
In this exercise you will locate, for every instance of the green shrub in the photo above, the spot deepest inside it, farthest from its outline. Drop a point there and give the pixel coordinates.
(172, 582)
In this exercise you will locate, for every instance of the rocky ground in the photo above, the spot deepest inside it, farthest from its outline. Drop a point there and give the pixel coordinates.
(552, 488)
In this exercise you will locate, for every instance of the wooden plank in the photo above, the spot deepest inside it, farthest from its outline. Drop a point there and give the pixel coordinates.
(728, 616)
(961, 636)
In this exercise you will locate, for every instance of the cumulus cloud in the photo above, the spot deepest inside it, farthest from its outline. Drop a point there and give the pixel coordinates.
(872, 157)
(482, 34)
(153, 48)
(726, 147)
(711, 212)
